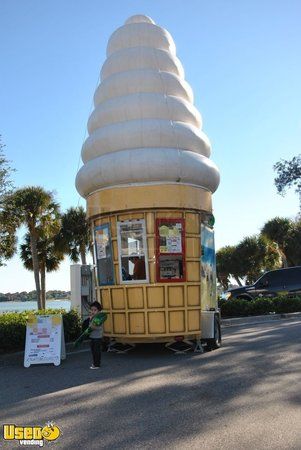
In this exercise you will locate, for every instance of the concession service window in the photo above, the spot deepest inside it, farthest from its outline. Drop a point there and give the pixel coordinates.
(132, 252)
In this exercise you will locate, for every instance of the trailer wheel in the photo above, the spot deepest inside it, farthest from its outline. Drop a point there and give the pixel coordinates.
(216, 342)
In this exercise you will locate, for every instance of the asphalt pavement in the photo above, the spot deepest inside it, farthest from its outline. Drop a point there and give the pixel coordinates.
(245, 395)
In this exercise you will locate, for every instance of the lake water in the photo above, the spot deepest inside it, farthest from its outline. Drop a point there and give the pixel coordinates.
(29, 306)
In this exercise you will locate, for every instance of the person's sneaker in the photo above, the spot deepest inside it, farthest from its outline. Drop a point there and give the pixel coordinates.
(94, 367)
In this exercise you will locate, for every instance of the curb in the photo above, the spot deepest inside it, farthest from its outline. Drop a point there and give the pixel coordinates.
(235, 321)
(258, 319)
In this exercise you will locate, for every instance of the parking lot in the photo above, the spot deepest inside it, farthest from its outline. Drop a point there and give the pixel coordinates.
(244, 396)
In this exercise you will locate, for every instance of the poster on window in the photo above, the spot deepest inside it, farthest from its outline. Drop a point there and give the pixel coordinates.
(208, 267)
(101, 242)
(170, 238)
(103, 255)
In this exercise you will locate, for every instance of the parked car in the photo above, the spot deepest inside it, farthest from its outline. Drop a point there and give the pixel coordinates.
(271, 284)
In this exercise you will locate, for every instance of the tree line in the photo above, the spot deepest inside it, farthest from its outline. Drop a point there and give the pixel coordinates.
(277, 245)
(32, 296)
(50, 233)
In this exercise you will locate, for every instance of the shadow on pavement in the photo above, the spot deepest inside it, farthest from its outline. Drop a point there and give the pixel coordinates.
(147, 393)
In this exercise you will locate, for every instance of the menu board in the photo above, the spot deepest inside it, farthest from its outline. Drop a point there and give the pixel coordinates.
(45, 341)
(169, 269)
(170, 238)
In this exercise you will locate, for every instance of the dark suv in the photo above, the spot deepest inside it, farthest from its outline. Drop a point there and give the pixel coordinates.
(275, 282)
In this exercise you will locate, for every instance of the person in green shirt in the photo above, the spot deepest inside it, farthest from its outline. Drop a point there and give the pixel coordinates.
(96, 334)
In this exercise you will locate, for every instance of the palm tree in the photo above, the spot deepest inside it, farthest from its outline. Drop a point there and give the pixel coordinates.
(278, 230)
(74, 237)
(35, 208)
(256, 254)
(227, 266)
(49, 255)
(247, 260)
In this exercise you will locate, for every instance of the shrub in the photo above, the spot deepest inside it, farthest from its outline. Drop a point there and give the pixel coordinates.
(13, 327)
(261, 305)
(12, 331)
(287, 304)
(278, 305)
(230, 308)
(72, 325)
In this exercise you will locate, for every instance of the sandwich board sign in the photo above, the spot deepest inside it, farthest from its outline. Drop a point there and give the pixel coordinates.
(45, 342)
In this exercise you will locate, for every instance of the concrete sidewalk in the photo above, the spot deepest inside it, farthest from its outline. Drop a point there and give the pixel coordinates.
(235, 321)
(246, 395)
(258, 319)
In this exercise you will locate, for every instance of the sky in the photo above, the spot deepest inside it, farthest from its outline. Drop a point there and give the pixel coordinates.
(242, 59)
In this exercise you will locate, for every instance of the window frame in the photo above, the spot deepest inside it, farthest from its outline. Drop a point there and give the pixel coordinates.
(102, 227)
(144, 240)
(159, 221)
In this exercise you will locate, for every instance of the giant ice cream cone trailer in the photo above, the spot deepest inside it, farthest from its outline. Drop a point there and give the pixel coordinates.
(148, 182)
